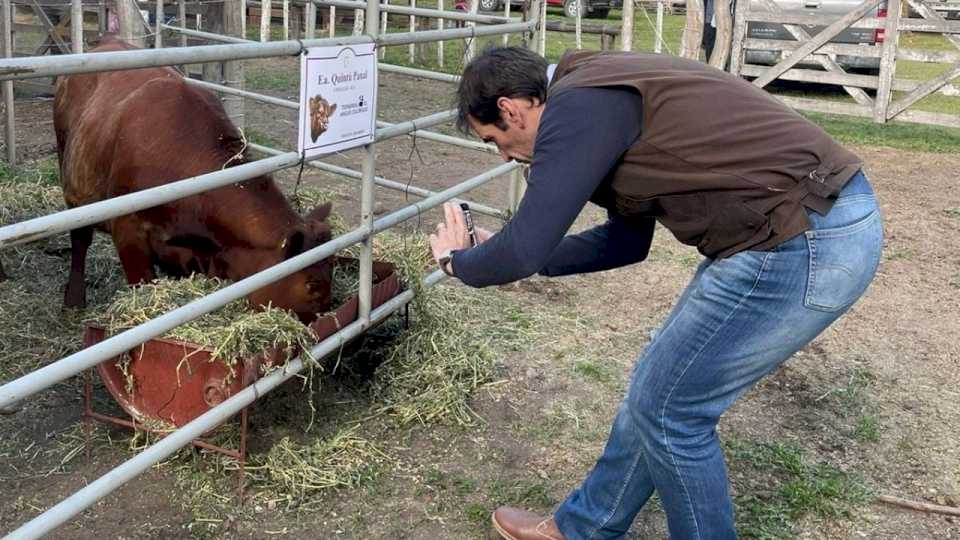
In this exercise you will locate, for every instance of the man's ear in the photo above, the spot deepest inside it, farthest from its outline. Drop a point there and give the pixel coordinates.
(509, 111)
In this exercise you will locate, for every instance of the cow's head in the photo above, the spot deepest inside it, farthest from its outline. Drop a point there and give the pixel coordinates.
(320, 112)
(307, 292)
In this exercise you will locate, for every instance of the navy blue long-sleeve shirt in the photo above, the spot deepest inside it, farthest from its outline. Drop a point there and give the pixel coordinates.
(582, 136)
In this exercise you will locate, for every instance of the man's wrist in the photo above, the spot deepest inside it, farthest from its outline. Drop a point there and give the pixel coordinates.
(445, 261)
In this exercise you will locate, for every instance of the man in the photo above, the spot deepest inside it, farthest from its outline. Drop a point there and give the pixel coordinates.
(788, 224)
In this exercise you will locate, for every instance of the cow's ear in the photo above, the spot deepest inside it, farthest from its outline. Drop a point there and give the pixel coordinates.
(293, 244)
(320, 213)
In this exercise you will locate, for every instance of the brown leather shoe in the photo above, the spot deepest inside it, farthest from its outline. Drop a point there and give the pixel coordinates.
(516, 524)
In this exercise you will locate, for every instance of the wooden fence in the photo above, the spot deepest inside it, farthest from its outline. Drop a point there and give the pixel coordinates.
(816, 58)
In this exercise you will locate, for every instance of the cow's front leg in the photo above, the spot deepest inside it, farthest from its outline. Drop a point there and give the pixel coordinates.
(75, 293)
(133, 248)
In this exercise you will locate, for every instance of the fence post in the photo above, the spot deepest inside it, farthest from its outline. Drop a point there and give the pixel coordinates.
(739, 34)
(626, 29)
(158, 15)
(310, 20)
(333, 21)
(383, 28)
(578, 28)
(412, 28)
(266, 10)
(693, 30)
(506, 13)
(888, 62)
(11, 131)
(286, 20)
(131, 23)
(182, 19)
(213, 22)
(367, 193)
(233, 12)
(658, 43)
(721, 43)
(358, 23)
(440, 24)
(102, 21)
(471, 50)
(543, 27)
(76, 25)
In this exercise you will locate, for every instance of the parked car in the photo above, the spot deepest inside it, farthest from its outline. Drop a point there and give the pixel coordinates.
(595, 9)
(835, 9)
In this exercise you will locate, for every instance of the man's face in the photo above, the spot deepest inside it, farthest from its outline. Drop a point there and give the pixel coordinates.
(521, 117)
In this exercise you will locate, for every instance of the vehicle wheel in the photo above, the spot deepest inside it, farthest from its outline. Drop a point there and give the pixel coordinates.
(598, 13)
(570, 8)
(489, 5)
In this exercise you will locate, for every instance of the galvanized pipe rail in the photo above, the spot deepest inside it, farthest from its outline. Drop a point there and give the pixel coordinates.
(51, 374)
(204, 35)
(477, 208)
(421, 12)
(426, 74)
(50, 66)
(86, 497)
(59, 222)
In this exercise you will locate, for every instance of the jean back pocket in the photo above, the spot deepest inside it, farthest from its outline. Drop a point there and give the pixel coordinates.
(843, 261)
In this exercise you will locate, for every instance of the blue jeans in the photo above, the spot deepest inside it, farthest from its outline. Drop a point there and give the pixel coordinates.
(738, 320)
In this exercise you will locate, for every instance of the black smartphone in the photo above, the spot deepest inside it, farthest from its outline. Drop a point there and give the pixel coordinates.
(468, 219)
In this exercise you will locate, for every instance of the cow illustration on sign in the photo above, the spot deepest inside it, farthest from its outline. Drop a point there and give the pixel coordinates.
(320, 112)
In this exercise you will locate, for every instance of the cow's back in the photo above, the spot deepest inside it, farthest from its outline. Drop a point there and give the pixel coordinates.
(148, 120)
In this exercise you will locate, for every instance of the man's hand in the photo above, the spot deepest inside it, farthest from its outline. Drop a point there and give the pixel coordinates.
(452, 234)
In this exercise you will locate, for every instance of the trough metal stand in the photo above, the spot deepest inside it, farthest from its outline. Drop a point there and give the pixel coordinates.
(89, 415)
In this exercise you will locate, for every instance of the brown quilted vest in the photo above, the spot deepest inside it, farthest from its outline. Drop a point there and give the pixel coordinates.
(720, 163)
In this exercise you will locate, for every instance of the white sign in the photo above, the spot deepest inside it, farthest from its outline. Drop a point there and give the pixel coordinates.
(338, 98)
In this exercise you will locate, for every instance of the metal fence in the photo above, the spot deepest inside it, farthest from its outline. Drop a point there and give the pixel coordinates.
(45, 226)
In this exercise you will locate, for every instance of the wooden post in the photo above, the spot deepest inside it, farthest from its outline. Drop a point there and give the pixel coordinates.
(213, 22)
(607, 41)
(286, 20)
(131, 23)
(233, 11)
(739, 34)
(333, 21)
(182, 20)
(506, 13)
(721, 43)
(11, 131)
(158, 15)
(888, 62)
(543, 26)
(440, 23)
(413, 25)
(296, 21)
(243, 20)
(265, 12)
(383, 27)
(658, 44)
(626, 29)
(358, 22)
(310, 20)
(471, 50)
(693, 30)
(102, 17)
(76, 25)
(578, 32)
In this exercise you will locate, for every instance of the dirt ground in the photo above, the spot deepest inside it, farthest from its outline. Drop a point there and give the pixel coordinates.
(877, 396)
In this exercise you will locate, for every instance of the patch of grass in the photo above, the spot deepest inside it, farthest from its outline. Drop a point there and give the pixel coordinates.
(867, 428)
(477, 514)
(520, 494)
(852, 397)
(591, 370)
(904, 136)
(266, 79)
(783, 486)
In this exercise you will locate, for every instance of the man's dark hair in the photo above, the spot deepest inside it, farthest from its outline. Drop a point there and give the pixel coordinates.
(499, 72)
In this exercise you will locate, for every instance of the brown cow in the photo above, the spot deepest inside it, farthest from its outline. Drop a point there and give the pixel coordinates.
(120, 132)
